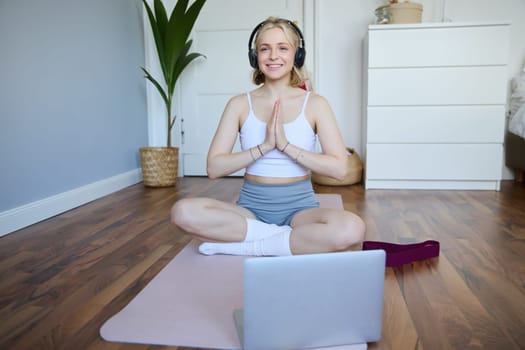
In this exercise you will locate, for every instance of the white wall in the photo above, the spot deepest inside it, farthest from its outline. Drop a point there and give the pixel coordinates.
(342, 24)
(72, 104)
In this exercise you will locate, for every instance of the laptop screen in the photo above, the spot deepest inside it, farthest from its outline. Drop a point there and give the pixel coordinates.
(315, 300)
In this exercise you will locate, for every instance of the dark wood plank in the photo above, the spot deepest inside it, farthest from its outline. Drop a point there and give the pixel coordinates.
(64, 277)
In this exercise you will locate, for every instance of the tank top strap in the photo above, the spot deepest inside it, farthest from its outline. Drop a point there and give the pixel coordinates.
(249, 101)
(305, 102)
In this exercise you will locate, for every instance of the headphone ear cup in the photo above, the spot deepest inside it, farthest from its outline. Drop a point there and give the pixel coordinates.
(252, 56)
(300, 55)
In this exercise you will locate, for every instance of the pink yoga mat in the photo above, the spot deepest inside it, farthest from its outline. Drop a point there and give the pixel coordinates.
(191, 301)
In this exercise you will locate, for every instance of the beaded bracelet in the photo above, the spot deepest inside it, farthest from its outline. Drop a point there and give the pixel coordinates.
(282, 150)
(259, 148)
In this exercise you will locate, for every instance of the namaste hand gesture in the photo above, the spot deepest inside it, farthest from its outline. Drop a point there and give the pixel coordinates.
(275, 135)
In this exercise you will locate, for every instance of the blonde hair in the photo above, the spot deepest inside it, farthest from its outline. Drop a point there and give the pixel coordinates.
(299, 75)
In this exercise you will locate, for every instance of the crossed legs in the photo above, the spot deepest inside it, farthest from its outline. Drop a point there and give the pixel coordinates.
(323, 230)
(315, 230)
(211, 220)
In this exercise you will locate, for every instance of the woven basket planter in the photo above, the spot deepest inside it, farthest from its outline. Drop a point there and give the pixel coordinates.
(355, 172)
(405, 12)
(160, 166)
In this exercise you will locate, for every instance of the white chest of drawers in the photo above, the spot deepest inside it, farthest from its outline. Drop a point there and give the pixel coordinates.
(434, 97)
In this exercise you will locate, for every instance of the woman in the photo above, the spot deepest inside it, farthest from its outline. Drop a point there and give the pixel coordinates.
(277, 212)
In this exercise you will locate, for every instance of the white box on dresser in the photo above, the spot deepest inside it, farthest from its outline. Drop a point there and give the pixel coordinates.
(435, 97)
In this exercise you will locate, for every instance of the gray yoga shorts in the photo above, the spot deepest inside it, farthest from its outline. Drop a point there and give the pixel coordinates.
(277, 204)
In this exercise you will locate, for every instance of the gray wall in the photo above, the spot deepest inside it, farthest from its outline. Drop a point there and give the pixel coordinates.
(72, 96)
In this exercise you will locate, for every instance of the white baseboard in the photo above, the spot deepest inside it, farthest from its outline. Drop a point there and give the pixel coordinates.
(31, 213)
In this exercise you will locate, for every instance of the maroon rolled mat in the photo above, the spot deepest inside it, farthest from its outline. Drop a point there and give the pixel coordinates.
(400, 254)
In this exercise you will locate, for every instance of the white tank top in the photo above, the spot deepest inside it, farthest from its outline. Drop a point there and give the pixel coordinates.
(276, 163)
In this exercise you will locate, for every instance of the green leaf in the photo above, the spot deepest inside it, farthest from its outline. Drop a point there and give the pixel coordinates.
(157, 85)
(179, 28)
(183, 62)
(179, 9)
(193, 13)
(162, 25)
(180, 54)
(158, 38)
(174, 26)
(162, 19)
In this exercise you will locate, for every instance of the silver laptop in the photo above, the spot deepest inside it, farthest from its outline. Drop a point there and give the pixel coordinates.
(311, 301)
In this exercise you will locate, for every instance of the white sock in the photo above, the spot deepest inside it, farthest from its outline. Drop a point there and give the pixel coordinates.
(276, 245)
(257, 230)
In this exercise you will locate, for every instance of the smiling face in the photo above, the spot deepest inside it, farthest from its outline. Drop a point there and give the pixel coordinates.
(275, 54)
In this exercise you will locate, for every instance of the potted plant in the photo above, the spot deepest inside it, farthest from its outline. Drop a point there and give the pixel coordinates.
(171, 36)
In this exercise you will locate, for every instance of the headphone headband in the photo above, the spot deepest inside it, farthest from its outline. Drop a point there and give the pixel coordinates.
(300, 52)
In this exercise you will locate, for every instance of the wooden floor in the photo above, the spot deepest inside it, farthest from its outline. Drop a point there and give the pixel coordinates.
(62, 278)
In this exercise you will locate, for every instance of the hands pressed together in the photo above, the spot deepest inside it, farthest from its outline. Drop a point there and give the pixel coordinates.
(275, 135)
